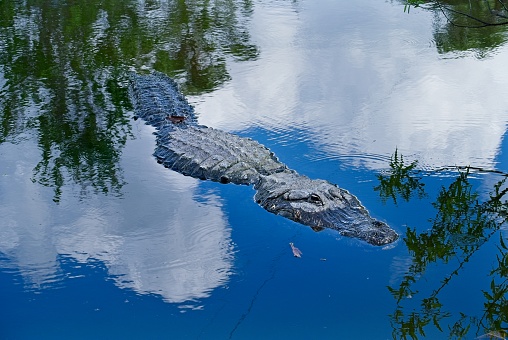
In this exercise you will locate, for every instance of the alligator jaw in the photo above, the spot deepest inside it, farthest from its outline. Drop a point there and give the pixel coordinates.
(321, 204)
(374, 232)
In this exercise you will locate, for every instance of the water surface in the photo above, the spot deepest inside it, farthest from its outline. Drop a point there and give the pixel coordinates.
(98, 240)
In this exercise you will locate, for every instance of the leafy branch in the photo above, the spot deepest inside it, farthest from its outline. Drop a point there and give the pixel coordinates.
(462, 226)
(400, 181)
(476, 14)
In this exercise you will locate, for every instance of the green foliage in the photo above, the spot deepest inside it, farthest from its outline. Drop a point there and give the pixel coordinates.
(413, 3)
(65, 71)
(462, 226)
(400, 180)
(456, 23)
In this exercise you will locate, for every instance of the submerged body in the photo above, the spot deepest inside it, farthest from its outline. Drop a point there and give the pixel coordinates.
(207, 153)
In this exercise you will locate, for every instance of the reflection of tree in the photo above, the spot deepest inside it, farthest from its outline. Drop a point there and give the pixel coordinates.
(462, 226)
(190, 40)
(457, 22)
(64, 65)
(400, 181)
(55, 85)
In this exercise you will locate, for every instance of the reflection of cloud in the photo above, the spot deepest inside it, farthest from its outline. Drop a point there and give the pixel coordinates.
(181, 262)
(23, 227)
(365, 91)
(156, 239)
(399, 268)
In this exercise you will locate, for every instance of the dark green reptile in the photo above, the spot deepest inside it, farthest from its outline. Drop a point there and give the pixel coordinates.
(209, 154)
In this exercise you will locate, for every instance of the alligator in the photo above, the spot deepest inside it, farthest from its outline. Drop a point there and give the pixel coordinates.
(211, 154)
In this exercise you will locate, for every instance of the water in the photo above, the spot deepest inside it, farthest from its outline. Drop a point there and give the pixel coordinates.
(97, 240)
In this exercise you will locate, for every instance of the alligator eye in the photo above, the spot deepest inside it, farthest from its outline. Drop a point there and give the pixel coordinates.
(314, 198)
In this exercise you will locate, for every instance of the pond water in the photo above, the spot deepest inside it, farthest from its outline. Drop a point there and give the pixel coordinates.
(405, 111)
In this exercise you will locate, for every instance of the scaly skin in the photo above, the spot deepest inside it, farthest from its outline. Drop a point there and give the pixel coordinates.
(210, 154)
(320, 204)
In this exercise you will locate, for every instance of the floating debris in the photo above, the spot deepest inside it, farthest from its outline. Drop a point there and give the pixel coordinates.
(176, 119)
(296, 251)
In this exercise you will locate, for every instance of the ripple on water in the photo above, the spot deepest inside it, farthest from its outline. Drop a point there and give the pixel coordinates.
(35, 277)
(355, 160)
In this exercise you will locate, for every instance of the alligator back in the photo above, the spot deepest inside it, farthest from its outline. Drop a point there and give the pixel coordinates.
(156, 99)
(207, 153)
(196, 150)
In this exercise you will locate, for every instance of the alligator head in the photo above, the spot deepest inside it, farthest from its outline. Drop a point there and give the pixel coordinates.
(321, 204)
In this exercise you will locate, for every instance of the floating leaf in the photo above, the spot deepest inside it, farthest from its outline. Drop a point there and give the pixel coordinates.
(296, 251)
(501, 241)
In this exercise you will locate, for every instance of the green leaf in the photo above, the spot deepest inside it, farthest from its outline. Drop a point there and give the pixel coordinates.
(501, 242)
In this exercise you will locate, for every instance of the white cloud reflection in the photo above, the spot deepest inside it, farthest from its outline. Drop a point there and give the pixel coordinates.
(357, 92)
(178, 248)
